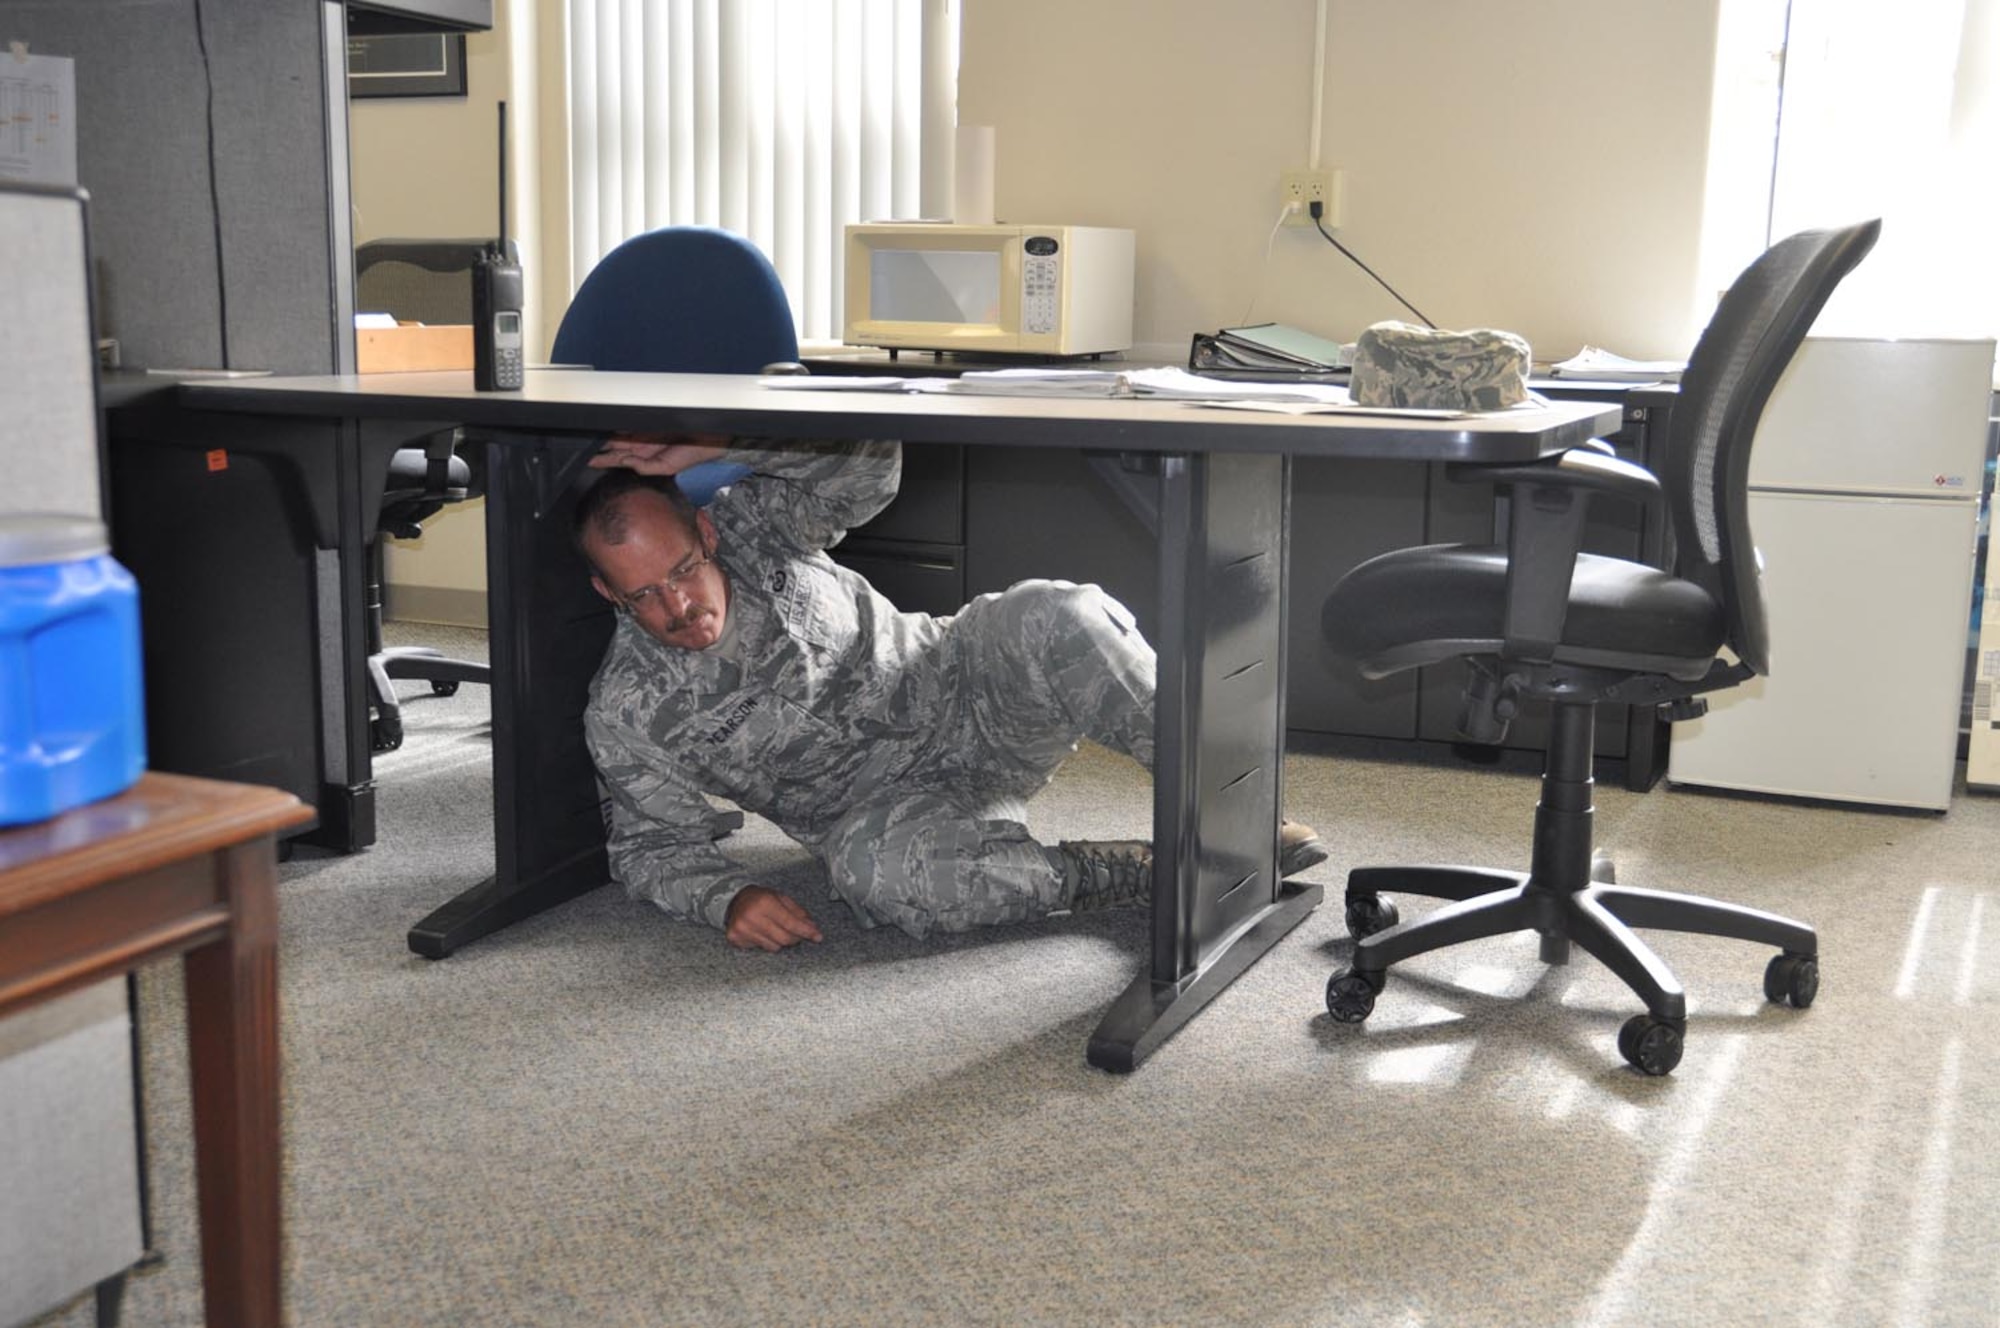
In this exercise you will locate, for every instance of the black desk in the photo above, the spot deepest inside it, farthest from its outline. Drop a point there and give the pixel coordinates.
(250, 546)
(1218, 480)
(1345, 515)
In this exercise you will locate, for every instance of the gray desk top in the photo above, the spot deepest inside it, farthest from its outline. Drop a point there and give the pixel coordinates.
(582, 401)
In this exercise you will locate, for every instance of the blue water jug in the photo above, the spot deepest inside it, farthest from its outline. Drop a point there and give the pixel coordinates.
(72, 705)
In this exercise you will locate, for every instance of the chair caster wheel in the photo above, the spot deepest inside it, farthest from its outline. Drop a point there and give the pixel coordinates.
(1368, 914)
(1350, 997)
(385, 735)
(444, 687)
(1603, 869)
(1793, 978)
(1649, 1045)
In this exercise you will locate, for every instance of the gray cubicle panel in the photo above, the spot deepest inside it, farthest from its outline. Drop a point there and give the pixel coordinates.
(213, 142)
(212, 139)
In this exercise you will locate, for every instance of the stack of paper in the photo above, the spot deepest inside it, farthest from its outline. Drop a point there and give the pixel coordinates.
(838, 383)
(1173, 384)
(1592, 364)
(1180, 385)
(1038, 383)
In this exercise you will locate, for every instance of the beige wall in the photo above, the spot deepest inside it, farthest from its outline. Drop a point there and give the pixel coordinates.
(1536, 165)
(1529, 164)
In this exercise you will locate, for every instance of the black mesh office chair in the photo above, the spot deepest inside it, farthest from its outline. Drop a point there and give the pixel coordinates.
(418, 281)
(1538, 621)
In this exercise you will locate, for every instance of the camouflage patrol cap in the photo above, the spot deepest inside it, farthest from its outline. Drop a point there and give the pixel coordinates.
(1400, 364)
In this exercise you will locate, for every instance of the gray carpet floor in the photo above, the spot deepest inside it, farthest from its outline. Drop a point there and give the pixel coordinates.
(601, 1116)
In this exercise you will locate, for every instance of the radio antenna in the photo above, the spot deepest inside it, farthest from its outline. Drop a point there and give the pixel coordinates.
(501, 252)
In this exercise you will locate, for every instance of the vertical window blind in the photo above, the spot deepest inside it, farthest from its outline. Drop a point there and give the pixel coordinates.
(780, 120)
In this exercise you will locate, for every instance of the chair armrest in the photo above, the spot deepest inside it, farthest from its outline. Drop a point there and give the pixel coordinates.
(439, 449)
(1589, 470)
(1548, 500)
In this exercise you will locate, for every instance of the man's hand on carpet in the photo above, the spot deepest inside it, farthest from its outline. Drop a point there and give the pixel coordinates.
(762, 919)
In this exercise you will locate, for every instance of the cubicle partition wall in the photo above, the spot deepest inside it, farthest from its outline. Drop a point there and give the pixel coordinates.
(212, 139)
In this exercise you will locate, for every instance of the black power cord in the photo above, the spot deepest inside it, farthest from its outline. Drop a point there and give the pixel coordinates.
(214, 188)
(1316, 208)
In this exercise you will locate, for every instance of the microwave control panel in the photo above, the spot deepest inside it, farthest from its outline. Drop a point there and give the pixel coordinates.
(1041, 280)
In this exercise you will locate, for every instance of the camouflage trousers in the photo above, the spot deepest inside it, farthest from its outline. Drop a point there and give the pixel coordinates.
(1029, 672)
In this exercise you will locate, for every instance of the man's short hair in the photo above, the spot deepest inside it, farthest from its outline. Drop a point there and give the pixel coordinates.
(601, 512)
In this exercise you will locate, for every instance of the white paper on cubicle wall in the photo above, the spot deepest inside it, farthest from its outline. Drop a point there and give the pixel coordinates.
(37, 117)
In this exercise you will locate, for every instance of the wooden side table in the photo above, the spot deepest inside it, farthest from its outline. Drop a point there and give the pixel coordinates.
(176, 865)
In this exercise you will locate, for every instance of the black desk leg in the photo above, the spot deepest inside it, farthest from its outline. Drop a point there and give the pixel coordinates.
(1218, 769)
(547, 631)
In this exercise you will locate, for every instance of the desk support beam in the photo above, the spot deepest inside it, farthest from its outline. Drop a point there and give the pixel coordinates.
(546, 635)
(1219, 726)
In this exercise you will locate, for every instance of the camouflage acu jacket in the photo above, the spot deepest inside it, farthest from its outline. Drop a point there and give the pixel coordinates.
(818, 691)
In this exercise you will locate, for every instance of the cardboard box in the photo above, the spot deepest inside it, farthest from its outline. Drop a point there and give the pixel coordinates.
(413, 348)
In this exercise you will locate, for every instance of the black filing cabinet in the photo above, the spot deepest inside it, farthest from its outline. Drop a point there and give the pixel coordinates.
(913, 551)
(1046, 512)
(1344, 513)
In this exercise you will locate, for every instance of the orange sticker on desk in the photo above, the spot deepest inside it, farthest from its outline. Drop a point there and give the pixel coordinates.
(218, 459)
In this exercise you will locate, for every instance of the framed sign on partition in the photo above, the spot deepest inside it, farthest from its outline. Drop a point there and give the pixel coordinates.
(418, 64)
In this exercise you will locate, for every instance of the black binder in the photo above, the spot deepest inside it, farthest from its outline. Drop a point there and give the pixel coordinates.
(1231, 354)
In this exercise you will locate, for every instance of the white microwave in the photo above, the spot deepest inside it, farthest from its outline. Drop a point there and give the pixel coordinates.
(1041, 290)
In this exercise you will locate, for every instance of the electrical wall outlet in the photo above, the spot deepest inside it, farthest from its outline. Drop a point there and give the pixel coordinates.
(1307, 187)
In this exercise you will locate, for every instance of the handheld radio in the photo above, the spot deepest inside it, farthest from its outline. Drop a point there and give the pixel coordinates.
(496, 302)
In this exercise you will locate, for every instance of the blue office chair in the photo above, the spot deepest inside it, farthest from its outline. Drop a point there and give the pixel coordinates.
(1540, 622)
(681, 299)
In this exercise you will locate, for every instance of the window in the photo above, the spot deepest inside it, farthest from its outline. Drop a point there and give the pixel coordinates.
(780, 120)
(1849, 109)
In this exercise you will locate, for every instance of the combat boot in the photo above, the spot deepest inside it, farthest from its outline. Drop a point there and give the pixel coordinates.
(1103, 873)
(1299, 847)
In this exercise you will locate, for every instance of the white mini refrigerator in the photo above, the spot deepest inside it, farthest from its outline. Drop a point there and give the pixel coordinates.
(1864, 502)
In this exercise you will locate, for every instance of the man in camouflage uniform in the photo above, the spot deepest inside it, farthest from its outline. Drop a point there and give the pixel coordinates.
(900, 748)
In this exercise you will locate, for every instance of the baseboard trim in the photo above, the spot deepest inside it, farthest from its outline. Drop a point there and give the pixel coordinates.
(436, 604)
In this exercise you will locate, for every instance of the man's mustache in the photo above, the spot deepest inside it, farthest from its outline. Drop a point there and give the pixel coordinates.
(694, 615)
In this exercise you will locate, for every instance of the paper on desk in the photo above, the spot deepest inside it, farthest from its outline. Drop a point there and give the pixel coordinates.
(1180, 385)
(1162, 384)
(1146, 384)
(1336, 408)
(1035, 383)
(1595, 364)
(851, 383)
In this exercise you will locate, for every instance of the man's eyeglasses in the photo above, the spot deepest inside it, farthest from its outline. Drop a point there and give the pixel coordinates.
(653, 595)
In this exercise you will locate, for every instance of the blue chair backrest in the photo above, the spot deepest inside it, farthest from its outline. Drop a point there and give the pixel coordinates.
(681, 299)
